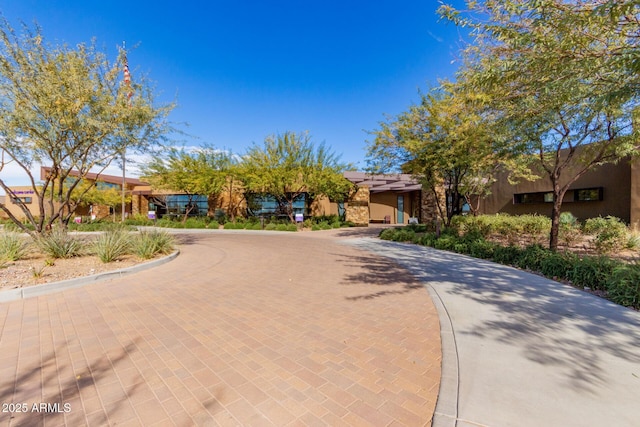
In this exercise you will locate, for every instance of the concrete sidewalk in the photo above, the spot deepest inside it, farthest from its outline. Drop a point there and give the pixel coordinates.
(522, 350)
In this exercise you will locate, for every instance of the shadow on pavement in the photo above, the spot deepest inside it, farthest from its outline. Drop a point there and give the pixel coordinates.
(527, 310)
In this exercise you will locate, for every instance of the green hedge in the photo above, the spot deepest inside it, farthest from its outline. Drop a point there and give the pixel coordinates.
(620, 280)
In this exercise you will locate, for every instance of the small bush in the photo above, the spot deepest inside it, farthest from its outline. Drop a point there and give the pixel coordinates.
(150, 243)
(446, 242)
(387, 234)
(532, 257)
(59, 244)
(480, 248)
(610, 233)
(593, 272)
(558, 265)
(195, 223)
(507, 255)
(112, 245)
(220, 216)
(623, 285)
(12, 246)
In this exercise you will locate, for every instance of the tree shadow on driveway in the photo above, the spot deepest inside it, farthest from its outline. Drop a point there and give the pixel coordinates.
(551, 323)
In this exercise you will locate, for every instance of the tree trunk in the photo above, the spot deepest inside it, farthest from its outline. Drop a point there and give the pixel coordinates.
(212, 203)
(555, 224)
(558, 196)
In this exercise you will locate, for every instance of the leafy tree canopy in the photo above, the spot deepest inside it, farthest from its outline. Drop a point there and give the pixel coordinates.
(559, 75)
(288, 165)
(67, 107)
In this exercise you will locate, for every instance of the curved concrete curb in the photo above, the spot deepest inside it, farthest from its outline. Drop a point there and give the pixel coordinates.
(446, 411)
(47, 288)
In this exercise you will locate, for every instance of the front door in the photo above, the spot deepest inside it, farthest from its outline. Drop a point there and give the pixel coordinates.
(400, 219)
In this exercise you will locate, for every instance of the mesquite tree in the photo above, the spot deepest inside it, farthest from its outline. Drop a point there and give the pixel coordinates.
(68, 108)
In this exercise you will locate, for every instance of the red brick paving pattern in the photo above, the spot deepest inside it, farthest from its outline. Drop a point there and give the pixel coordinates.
(240, 329)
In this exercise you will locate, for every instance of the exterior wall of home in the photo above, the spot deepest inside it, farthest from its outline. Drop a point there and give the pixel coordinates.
(614, 179)
(323, 206)
(385, 204)
(15, 209)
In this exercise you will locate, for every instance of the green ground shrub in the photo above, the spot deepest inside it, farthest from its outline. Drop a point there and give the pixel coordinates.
(59, 244)
(148, 244)
(621, 281)
(558, 265)
(12, 246)
(532, 257)
(481, 248)
(593, 272)
(112, 244)
(507, 255)
(623, 286)
(610, 233)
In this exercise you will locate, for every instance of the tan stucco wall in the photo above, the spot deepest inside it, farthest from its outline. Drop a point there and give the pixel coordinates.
(323, 206)
(386, 204)
(614, 179)
(23, 191)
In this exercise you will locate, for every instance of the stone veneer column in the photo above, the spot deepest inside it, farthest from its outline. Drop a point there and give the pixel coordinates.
(429, 208)
(139, 205)
(357, 209)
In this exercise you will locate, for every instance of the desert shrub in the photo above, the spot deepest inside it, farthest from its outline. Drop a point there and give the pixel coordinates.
(593, 272)
(446, 242)
(532, 257)
(461, 248)
(220, 216)
(148, 244)
(112, 244)
(322, 225)
(270, 226)
(481, 248)
(568, 229)
(138, 219)
(610, 233)
(12, 246)
(506, 254)
(533, 225)
(623, 285)
(232, 226)
(59, 244)
(403, 234)
(195, 223)
(633, 241)
(558, 265)
(507, 226)
(428, 239)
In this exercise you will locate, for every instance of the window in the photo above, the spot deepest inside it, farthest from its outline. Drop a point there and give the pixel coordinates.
(25, 200)
(543, 197)
(177, 204)
(264, 204)
(588, 195)
(101, 185)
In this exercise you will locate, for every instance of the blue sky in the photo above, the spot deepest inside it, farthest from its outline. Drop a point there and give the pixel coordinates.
(241, 70)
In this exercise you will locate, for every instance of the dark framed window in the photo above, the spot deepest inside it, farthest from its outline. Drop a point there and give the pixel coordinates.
(25, 200)
(541, 197)
(588, 194)
(266, 204)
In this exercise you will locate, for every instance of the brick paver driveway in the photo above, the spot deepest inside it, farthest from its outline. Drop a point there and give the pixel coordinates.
(241, 329)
